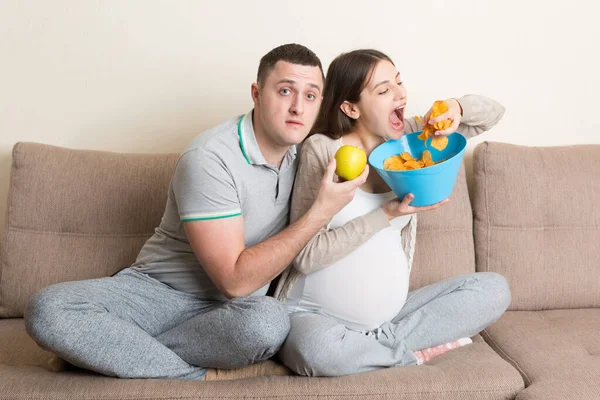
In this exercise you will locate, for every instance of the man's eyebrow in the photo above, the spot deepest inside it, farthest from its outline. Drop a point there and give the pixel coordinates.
(314, 86)
(386, 81)
(293, 82)
(290, 81)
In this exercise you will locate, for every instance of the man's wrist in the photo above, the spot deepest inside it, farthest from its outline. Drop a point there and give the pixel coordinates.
(317, 216)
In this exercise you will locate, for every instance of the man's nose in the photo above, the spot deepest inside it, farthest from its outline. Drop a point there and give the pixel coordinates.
(297, 106)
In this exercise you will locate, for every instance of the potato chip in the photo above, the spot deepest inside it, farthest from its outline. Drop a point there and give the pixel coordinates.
(439, 142)
(426, 156)
(426, 134)
(406, 156)
(393, 163)
(412, 164)
(441, 125)
(439, 107)
(405, 162)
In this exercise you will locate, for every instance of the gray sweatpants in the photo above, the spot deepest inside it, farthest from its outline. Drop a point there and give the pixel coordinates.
(133, 326)
(463, 306)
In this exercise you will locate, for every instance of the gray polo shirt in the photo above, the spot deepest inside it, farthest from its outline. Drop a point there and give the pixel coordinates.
(222, 174)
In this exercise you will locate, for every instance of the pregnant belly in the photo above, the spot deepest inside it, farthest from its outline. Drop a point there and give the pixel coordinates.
(364, 289)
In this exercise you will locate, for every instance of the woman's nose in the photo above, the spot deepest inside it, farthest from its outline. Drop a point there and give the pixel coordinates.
(399, 92)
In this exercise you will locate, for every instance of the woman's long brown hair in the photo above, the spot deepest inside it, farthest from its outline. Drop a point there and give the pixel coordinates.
(347, 76)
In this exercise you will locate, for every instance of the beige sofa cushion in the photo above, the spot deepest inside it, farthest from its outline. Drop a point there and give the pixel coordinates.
(76, 214)
(557, 351)
(444, 246)
(498, 377)
(537, 222)
(17, 348)
(472, 372)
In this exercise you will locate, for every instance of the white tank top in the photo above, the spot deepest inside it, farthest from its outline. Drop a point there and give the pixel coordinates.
(369, 285)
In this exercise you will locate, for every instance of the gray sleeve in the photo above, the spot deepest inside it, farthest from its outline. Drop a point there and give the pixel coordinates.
(480, 114)
(412, 125)
(204, 188)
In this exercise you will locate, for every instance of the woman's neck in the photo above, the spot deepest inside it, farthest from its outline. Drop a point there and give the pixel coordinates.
(367, 141)
(363, 139)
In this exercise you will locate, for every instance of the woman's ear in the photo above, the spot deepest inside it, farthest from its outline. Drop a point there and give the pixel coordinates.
(350, 109)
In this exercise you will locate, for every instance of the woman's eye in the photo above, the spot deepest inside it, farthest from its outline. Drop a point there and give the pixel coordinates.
(310, 96)
(385, 91)
(400, 83)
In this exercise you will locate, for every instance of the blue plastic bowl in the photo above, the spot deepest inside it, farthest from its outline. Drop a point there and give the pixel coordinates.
(429, 185)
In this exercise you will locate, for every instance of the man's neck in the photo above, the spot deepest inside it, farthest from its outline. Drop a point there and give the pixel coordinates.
(272, 152)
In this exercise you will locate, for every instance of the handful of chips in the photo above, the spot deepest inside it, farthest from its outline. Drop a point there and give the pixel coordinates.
(406, 162)
(438, 142)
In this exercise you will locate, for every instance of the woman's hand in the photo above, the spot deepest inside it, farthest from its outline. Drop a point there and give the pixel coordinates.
(454, 114)
(396, 208)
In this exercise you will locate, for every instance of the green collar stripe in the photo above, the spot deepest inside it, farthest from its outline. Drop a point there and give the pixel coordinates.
(242, 141)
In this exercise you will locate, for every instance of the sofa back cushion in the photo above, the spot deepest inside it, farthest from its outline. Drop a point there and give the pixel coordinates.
(75, 214)
(444, 245)
(537, 222)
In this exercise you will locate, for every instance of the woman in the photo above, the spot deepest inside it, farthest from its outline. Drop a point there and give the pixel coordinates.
(347, 292)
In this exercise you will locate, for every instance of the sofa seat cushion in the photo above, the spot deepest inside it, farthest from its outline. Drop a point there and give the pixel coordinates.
(17, 348)
(556, 351)
(472, 372)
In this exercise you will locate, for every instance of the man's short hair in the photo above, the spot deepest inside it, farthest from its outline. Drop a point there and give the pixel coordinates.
(292, 53)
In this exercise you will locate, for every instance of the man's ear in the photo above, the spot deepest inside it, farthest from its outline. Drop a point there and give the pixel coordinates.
(254, 91)
(350, 109)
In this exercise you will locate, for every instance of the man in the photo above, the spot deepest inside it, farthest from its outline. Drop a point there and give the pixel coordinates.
(195, 297)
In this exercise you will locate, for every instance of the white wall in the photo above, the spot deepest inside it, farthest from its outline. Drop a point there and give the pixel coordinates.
(148, 75)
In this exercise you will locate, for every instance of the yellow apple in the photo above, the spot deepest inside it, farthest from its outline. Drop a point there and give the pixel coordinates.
(350, 162)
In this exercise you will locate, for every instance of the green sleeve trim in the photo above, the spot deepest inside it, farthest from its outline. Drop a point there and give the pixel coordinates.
(209, 218)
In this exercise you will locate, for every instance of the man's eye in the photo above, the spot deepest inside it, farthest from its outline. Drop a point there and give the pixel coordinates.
(310, 96)
(285, 91)
(385, 91)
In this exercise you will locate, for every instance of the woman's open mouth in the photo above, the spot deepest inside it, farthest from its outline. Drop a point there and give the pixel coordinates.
(397, 118)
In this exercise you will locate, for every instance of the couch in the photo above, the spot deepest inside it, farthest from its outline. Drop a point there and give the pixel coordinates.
(531, 214)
